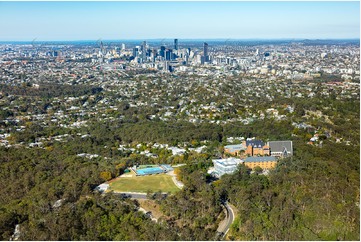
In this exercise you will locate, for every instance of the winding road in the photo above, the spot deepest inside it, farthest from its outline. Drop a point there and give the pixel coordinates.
(225, 224)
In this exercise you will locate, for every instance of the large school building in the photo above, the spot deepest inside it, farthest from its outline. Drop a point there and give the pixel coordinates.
(264, 155)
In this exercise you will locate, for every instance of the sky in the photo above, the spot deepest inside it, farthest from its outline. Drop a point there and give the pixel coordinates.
(25, 21)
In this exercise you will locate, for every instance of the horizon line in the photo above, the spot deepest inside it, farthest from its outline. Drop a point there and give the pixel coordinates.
(171, 39)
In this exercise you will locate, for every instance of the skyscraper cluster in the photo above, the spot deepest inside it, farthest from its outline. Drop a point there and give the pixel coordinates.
(143, 53)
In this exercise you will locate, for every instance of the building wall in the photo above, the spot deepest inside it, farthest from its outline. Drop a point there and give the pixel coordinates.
(279, 154)
(224, 169)
(236, 152)
(263, 165)
(266, 150)
(249, 150)
(258, 151)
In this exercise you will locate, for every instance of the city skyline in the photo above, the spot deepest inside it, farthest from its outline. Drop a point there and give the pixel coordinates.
(51, 21)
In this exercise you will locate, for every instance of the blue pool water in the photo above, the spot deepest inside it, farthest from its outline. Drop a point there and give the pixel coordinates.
(148, 171)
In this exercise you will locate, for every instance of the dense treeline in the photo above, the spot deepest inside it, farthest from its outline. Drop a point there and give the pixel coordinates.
(50, 194)
(33, 180)
(311, 196)
(171, 133)
(179, 132)
(196, 208)
(49, 90)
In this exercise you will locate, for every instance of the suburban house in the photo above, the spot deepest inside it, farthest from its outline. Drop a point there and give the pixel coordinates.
(281, 148)
(226, 166)
(265, 162)
(234, 149)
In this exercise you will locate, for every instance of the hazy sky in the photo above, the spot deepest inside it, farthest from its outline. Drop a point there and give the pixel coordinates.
(147, 20)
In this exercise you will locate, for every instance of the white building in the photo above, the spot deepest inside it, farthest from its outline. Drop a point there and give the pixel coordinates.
(226, 166)
(177, 151)
(102, 187)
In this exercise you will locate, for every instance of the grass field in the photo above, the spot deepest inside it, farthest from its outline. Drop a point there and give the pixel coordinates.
(144, 183)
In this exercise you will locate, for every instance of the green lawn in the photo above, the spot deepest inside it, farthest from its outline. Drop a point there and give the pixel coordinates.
(144, 183)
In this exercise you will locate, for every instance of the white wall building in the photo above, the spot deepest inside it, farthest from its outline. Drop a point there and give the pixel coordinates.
(226, 166)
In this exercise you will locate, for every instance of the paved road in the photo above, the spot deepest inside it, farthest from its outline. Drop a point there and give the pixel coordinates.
(136, 195)
(224, 226)
(179, 184)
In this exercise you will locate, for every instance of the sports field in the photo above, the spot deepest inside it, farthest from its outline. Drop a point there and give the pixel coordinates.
(155, 183)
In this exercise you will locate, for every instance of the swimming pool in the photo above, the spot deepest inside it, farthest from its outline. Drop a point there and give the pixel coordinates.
(149, 171)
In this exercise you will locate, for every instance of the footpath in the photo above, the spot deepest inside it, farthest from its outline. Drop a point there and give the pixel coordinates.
(179, 184)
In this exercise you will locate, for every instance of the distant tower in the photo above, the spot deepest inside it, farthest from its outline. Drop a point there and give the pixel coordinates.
(168, 54)
(205, 51)
(123, 46)
(186, 59)
(144, 51)
(162, 51)
(176, 44)
(135, 51)
(144, 46)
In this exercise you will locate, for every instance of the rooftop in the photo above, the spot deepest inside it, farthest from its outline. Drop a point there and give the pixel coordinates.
(255, 143)
(280, 146)
(233, 148)
(260, 159)
(228, 162)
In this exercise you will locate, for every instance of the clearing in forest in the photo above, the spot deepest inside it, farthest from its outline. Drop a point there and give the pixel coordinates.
(143, 184)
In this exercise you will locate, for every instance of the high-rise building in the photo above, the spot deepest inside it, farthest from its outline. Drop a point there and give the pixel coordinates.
(205, 51)
(136, 51)
(162, 51)
(153, 54)
(144, 50)
(186, 59)
(123, 46)
(117, 50)
(176, 44)
(168, 54)
(144, 45)
(189, 51)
